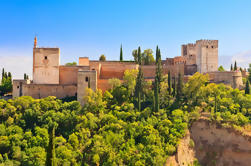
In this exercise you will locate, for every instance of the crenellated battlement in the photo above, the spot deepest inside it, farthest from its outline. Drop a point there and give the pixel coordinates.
(207, 42)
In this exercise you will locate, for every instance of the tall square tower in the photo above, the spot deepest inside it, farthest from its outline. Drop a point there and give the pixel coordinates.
(46, 65)
(207, 55)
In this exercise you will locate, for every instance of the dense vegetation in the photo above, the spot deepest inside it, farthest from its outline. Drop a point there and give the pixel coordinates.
(6, 83)
(109, 129)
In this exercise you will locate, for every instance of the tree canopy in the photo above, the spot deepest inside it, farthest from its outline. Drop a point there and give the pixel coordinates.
(110, 129)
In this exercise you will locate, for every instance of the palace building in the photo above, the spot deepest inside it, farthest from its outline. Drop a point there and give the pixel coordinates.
(52, 79)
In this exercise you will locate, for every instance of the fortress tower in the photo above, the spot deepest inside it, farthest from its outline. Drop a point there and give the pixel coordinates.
(45, 65)
(188, 51)
(207, 55)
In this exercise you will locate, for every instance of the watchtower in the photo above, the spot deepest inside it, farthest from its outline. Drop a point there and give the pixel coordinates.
(207, 55)
(45, 65)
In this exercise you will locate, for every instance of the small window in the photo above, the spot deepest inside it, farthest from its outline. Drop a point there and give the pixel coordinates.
(45, 57)
(17, 87)
(207, 46)
(86, 79)
(93, 69)
(212, 46)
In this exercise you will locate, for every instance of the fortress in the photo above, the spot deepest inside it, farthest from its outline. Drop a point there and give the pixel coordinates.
(52, 79)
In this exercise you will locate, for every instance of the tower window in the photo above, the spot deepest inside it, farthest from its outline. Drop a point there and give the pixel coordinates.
(212, 46)
(17, 87)
(45, 57)
(86, 79)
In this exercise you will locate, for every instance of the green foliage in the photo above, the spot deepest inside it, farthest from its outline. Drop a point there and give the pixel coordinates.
(247, 89)
(169, 83)
(26, 77)
(71, 64)
(249, 70)
(102, 58)
(110, 129)
(114, 82)
(6, 83)
(146, 57)
(221, 68)
(235, 66)
(139, 87)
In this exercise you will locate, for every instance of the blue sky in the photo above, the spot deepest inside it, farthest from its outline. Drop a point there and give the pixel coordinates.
(94, 27)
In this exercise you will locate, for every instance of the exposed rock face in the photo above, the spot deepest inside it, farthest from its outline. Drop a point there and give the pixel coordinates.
(185, 153)
(214, 146)
(218, 146)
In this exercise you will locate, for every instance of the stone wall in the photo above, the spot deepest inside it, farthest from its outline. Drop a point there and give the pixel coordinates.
(83, 61)
(232, 78)
(68, 75)
(85, 78)
(38, 91)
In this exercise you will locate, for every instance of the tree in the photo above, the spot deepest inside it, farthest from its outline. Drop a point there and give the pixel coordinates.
(135, 55)
(179, 92)
(121, 53)
(221, 68)
(139, 82)
(247, 89)
(174, 86)
(231, 68)
(114, 82)
(249, 70)
(25, 76)
(3, 73)
(156, 95)
(158, 79)
(130, 80)
(6, 83)
(169, 83)
(158, 66)
(147, 57)
(9, 75)
(71, 64)
(51, 155)
(235, 66)
(102, 57)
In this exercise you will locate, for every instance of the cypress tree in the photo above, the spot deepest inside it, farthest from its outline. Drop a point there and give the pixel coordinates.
(139, 56)
(156, 95)
(174, 86)
(51, 156)
(9, 75)
(158, 66)
(139, 82)
(235, 66)
(121, 53)
(179, 88)
(3, 73)
(169, 83)
(24, 76)
(247, 89)
(231, 68)
(89, 82)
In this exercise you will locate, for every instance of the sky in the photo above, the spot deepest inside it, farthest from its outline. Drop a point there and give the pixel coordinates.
(94, 27)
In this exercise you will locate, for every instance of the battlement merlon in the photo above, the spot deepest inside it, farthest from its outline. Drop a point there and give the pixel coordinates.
(207, 42)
